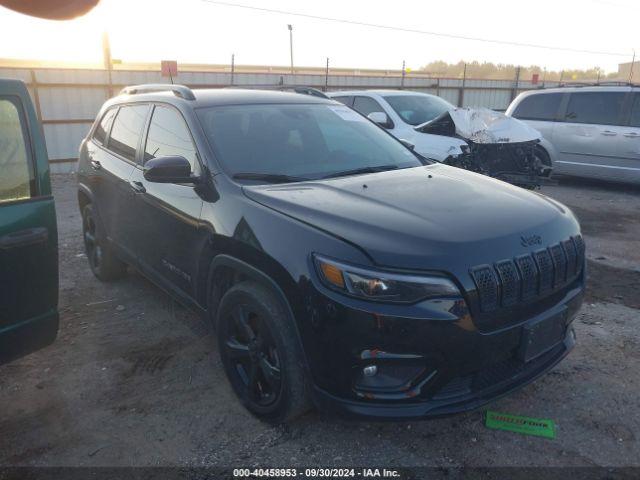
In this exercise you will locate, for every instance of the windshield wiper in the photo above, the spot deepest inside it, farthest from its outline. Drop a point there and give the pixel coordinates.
(269, 177)
(358, 171)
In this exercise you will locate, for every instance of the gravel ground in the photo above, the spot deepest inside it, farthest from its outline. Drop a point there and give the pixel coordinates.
(133, 378)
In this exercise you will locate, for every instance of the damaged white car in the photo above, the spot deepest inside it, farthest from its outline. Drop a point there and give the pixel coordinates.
(480, 140)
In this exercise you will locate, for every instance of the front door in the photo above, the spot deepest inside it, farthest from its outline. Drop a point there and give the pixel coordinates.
(168, 235)
(28, 232)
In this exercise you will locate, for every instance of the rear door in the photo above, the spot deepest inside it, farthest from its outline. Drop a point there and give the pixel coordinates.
(629, 144)
(588, 136)
(28, 232)
(112, 157)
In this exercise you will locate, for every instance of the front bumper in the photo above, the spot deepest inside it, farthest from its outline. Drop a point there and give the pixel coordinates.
(459, 395)
(461, 367)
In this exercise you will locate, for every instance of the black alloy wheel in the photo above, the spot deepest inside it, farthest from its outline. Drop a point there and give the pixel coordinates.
(261, 353)
(250, 346)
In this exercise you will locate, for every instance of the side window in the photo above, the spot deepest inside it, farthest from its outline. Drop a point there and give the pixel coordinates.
(347, 100)
(100, 133)
(366, 105)
(126, 130)
(16, 170)
(634, 121)
(169, 135)
(541, 106)
(601, 108)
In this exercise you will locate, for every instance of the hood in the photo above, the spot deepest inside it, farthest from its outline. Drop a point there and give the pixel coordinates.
(431, 217)
(480, 125)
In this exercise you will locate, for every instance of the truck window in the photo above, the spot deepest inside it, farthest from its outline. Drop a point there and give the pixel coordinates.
(542, 106)
(17, 180)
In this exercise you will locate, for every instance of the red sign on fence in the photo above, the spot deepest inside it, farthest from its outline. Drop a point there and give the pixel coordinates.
(169, 68)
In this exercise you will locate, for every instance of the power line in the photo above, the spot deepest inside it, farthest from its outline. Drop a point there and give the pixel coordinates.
(412, 30)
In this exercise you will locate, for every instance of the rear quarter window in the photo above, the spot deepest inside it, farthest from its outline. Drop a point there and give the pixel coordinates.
(541, 106)
(101, 131)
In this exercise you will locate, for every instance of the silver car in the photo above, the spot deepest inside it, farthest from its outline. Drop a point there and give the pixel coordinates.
(587, 131)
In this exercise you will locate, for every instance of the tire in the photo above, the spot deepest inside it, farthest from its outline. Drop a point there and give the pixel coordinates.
(543, 159)
(104, 263)
(260, 353)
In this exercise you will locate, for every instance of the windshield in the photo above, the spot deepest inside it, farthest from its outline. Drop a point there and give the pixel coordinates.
(417, 109)
(299, 141)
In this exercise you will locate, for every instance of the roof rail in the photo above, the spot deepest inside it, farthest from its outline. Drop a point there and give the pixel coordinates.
(304, 90)
(181, 91)
(606, 83)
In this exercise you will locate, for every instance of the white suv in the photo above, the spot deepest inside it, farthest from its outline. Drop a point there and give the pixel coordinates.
(587, 131)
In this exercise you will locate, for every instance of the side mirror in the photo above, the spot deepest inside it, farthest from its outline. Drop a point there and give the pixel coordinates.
(381, 119)
(169, 169)
(407, 144)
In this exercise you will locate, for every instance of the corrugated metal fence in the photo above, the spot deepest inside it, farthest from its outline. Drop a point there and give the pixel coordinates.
(67, 100)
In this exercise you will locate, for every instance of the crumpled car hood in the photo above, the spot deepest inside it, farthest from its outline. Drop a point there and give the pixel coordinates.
(481, 125)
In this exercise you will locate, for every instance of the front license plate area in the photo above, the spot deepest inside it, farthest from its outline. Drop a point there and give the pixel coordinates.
(541, 335)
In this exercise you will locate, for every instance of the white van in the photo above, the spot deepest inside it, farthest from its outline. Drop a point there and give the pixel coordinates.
(587, 131)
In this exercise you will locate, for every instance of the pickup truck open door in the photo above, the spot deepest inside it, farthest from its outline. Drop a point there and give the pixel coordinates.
(28, 230)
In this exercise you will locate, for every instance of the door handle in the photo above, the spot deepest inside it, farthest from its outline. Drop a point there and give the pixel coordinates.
(609, 133)
(632, 135)
(23, 238)
(96, 165)
(138, 187)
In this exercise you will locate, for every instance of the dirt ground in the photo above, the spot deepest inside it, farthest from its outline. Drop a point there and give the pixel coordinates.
(133, 378)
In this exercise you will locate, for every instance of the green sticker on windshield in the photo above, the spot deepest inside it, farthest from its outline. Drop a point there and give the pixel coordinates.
(541, 427)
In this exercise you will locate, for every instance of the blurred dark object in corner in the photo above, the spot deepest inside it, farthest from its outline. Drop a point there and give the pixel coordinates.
(51, 9)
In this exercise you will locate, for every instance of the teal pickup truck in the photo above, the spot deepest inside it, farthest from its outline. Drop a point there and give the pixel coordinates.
(28, 230)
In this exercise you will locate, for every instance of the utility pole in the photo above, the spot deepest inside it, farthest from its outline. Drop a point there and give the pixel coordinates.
(291, 45)
(326, 76)
(233, 66)
(516, 84)
(633, 60)
(106, 56)
(464, 86)
(403, 74)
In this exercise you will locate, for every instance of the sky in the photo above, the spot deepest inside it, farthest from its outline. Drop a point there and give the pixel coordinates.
(197, 31)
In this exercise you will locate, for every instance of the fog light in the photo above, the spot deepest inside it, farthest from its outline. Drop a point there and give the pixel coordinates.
(370, 370)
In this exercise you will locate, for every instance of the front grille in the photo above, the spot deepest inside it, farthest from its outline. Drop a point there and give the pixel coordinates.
(528, 277)
(559, 264)
(510, 282)
(487, 287)
(572, 257)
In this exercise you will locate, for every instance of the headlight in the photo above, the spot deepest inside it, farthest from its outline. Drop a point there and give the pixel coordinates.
(382, 286)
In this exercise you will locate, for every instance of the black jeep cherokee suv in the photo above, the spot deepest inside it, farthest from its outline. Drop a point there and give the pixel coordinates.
(334, 263)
